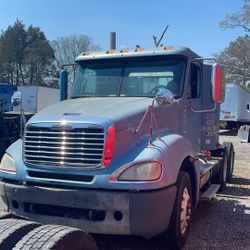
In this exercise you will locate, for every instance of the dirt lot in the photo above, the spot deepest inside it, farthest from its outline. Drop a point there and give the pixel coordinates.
(222, 223)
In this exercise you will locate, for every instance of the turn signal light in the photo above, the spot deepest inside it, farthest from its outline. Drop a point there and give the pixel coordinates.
(109, 146)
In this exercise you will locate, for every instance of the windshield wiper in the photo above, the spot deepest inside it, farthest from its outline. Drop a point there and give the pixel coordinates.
(81, 96)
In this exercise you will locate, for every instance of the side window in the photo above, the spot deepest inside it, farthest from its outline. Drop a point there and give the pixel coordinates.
(194, 84)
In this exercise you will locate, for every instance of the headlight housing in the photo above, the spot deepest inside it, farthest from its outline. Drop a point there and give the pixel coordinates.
(141, 171)
(8, 164)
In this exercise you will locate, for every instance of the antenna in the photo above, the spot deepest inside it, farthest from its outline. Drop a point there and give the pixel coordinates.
(157, 43)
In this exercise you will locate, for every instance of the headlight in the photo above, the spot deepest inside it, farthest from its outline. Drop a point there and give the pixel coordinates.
(143, 171)
(7, 164)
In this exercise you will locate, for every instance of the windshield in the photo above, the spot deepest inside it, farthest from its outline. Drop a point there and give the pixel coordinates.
(140, 76)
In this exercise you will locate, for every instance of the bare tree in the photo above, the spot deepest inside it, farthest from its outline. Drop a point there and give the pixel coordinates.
(239, 19)
(236, 58)
(68, 48)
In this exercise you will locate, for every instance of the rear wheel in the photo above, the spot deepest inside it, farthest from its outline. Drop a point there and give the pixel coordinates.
(220, 175)
(230, 166)
(56, 237)
(176, 234)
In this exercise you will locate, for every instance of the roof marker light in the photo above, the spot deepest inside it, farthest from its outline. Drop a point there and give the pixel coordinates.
(124, 50)
(139, 49)
(167, 48)
(87, 53)
(111, 51)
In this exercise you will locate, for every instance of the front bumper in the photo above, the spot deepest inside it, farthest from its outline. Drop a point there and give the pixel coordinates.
(144, 213)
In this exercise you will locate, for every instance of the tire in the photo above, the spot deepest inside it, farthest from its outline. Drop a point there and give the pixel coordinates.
(12, 230)
(220, 176)
(176, 235)
(56, 237)
(230, 166)
(5, 215)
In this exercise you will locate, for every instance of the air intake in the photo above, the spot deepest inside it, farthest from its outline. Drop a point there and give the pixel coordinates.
(77, 145)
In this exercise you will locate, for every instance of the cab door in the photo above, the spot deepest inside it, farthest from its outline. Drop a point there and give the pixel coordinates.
(192, 113)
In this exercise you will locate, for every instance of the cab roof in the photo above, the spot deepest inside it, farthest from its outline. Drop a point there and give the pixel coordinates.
(138, 52)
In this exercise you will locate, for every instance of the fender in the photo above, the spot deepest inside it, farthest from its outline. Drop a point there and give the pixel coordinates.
(174, 149)
(171, 150)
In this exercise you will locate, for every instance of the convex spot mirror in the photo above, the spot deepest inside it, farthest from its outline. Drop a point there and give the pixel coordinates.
(16, 99)
(164, 97)
(218, 83)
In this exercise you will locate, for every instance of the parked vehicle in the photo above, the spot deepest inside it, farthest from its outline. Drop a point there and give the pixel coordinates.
(131, 152)
(36, 98)
(235, 110)
(9, 124)
(6, 91)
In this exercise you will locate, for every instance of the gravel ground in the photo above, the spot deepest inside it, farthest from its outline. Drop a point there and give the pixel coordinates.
(222, 223)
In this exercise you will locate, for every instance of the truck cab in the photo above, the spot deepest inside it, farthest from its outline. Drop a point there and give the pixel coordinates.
(129, 151)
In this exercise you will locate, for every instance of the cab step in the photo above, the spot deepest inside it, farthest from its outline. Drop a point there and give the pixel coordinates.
(210, 192)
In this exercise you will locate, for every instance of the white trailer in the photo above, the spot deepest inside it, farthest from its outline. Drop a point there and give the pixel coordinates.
(235, 110)
(36, 98)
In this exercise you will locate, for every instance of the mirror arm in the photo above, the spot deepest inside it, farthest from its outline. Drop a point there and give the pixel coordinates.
(153, 122)
(136, 130)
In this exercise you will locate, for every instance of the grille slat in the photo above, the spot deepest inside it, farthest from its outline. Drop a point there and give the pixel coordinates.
(62, 158)
(74, 145)
(41, 141)
(63, 133)
(64, 138)
(63, 148)
(59, 163)
(64, 153)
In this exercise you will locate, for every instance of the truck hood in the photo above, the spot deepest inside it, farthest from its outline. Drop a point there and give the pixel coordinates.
(124, 111)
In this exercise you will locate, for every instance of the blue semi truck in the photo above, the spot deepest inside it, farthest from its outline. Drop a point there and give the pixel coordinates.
(9, 122)
(130, 151)
(6, 92)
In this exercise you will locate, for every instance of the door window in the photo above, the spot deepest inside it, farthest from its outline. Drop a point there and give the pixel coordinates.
(194, 81)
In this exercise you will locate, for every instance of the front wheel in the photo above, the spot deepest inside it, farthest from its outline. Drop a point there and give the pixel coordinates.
(176, 235)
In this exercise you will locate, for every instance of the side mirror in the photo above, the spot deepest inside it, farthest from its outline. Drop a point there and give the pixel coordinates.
(16, 99)
(218, 83)
(63, 85)
(164, 97)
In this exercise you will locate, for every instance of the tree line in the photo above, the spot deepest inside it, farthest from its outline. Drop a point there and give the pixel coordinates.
(27, 57)
(236, 57)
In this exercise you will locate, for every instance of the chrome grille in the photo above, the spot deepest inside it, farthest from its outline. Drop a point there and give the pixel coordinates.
(63, 145)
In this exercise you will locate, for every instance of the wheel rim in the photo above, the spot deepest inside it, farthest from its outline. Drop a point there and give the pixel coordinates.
(185, 210)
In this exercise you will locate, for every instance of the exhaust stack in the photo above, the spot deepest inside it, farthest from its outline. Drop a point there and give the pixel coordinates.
(112, 40)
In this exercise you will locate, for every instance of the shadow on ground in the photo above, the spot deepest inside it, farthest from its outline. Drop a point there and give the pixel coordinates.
(228, 132)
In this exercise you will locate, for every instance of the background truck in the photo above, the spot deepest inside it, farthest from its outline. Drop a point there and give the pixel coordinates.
(9, 122)
(36, 98)
(131, 151)
(235, 110)
(6, 92)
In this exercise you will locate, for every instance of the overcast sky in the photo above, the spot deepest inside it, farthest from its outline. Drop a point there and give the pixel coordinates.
(192, 23)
